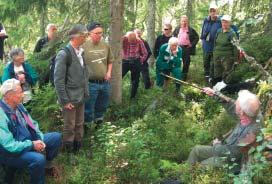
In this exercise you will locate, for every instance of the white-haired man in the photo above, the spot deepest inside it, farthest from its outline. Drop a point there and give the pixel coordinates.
(21, 140)
(51, 30)
(169, 61)
(246, 109)
(133, 56)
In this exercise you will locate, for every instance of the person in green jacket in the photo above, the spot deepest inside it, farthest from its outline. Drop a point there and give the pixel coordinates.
(225, 53)
(19, 69)
(169, 61)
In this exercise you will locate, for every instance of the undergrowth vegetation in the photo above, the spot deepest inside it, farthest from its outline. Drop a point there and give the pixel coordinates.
(147, 140)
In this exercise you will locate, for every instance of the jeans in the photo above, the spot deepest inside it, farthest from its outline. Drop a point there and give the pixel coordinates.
(134, 66)
(97, 104)
(34, 161)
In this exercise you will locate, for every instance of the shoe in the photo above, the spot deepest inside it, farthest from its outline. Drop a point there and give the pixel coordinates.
(67, 147)
(98, 123)
(77, 146)
(52, 172)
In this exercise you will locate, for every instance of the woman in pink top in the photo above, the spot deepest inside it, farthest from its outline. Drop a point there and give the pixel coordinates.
(188, 39)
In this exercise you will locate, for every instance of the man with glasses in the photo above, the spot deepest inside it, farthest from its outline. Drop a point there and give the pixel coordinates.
(209, 29)
(71, 83)
(99, 60)
(22, 143)
(162, 39)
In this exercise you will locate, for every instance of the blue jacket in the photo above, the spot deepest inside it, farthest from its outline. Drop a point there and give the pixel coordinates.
(208, 33)
(16, 137)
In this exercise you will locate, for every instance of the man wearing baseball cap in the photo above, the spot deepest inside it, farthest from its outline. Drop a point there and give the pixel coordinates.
(209, 29)
(225, 53)
(99, 60)
(71, 82)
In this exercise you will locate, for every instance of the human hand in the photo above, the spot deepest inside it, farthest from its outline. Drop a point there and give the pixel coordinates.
(69, 106)
(38, 145)
(208, 91)
(21, 78)
(107, 76)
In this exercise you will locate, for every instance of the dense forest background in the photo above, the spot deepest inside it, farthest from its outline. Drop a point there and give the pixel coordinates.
(146, 140)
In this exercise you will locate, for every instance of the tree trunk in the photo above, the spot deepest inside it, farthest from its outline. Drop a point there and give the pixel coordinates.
(151, 18)
(135, 12)
(43, 16)
(190, 10)
(116, 27)
(268, 28)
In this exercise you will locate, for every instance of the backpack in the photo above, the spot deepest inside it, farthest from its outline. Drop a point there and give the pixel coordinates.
(53, 63)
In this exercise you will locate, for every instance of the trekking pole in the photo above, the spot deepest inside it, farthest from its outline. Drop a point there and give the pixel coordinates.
(218, 94)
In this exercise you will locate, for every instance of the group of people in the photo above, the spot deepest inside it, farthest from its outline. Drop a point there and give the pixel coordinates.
(82, 85)
(82, 73)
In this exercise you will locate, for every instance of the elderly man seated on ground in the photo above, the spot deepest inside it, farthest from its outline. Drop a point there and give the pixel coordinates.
(22, 143)
(246, 110)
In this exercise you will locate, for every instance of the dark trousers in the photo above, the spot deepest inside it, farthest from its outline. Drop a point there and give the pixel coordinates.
(1, 49)
(145, 75)
(134, 66)
(186, 60)
(208, 64)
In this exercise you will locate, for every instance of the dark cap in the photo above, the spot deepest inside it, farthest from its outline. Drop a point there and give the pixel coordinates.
(93, 25)
(77, 29)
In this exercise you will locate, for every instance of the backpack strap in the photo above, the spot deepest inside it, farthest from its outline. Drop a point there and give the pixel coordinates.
(69, 56)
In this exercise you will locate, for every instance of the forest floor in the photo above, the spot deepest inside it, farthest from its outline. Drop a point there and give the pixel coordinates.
(148, 139)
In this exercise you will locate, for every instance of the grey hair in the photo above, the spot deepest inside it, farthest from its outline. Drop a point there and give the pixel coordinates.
(15, 52)
(249, 103)
(9, 85)
(173, 41)
(49, 26)
(77, 30)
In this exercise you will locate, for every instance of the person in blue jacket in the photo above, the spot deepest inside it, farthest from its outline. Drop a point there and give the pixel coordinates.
(210, 27)
(22, 143)
(21, 70)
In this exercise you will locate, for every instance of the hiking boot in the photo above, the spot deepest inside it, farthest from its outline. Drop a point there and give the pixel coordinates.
(67, 147)
(98, 123)
(52, 172)
(77, 146)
